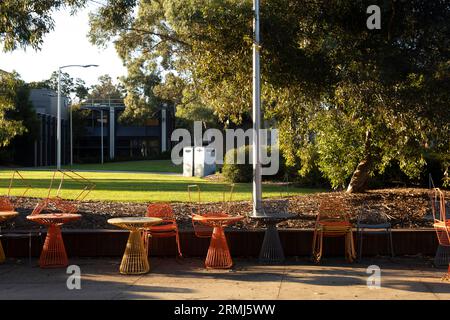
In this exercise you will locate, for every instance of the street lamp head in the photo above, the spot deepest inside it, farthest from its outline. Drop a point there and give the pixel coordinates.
(90, 65)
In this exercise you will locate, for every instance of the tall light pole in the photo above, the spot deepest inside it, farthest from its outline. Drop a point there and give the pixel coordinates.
(58, 112)
(257, 189)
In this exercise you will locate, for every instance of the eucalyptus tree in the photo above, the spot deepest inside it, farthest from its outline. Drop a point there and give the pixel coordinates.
(346, 98)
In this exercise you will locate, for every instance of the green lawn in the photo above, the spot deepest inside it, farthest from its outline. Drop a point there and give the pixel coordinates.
(138, 187)
(138, 166)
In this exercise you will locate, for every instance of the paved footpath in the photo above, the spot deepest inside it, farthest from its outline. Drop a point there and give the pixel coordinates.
(401, 278)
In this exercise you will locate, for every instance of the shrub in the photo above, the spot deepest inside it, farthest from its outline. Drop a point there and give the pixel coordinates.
(233, 172)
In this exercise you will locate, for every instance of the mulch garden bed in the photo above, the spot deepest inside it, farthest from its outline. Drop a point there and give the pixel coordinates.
(406, 208)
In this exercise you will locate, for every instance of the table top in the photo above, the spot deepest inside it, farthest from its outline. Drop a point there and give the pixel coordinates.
(53, 218)
(134, 222)
(4, 215)
(214, 220)
(279, 216)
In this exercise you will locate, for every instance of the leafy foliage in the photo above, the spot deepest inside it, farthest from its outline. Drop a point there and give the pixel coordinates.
(345, 98)
(10, 84)
(25, 22)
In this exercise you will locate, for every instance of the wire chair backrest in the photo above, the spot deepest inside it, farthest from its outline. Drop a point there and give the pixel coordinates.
(5, 201)
(55, 203)
(441, 223)
(161, 210)
(333, 209)
(201, 230)
(438, 206)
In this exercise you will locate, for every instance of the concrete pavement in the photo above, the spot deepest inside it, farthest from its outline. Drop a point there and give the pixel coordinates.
(401, 278)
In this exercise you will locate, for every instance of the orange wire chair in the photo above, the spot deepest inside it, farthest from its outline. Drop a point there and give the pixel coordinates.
(7, 209)
(5, 201)
(441, 223)
(54, 212)
(202, 230)
(168, 228)
(333, 221)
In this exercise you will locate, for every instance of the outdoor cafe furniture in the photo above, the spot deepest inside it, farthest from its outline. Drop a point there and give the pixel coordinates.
(52, 212)
(209, 223)
(218, 256)
(4, 215)
(273, 212)
(441, 223)
(7, 210)
(135, 258)
(372, 221)
(168, 228)
(333, 221)
(53, 254)
(439, 211)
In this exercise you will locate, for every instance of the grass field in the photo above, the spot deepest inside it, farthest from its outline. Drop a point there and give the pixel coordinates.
(138, 166)
(138, 187)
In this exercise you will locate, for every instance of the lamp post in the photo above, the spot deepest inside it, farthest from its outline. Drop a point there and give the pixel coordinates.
(257, 191)
(58, 113)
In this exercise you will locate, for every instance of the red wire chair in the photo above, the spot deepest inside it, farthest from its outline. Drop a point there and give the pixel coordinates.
(168, 228)
(333, 221)
(202, 230)
(441, 223)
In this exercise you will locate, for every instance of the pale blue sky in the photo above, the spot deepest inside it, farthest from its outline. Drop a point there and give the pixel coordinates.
(66, 44)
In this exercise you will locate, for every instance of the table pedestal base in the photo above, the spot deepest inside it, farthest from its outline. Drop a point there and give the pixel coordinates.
(2, 253)
(218, 253)
(53, 253)
(135, 260)
(271, 250)
(442, 257)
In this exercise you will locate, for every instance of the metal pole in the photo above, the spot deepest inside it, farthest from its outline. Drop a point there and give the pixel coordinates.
(101, 138)
(58, 124)
(257, 191)
(71, 138)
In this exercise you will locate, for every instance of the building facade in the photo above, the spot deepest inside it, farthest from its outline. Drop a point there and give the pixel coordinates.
(104, 137)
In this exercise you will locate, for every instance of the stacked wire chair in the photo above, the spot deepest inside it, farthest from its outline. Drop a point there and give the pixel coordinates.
(168, 228)
(373, 221)
(442, 227)
(333, 221)
(52, 212)
(442, 257)
(8, 211)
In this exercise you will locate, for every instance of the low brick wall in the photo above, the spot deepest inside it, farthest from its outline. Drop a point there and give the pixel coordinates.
(242, 243)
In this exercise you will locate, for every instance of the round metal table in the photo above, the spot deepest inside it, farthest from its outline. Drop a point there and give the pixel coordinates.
(271, 250)
(135, 259)
(218, 256)
(53, 253)
(5, 215)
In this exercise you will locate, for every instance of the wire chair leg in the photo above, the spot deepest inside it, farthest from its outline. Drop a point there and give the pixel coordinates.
(360, 240)
(177, 239)
(391, 243)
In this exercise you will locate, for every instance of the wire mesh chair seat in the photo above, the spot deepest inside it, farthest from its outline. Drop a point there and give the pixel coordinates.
(333, 221)
(166, 229)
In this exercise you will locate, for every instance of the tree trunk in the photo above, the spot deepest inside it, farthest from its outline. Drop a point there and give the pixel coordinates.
(360, 177)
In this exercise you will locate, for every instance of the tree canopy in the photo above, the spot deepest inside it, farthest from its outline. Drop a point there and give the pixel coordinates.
(349, 99)
(10, 85)
(24, 23)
